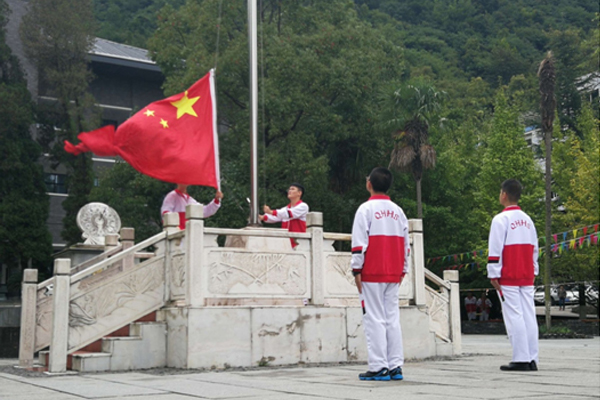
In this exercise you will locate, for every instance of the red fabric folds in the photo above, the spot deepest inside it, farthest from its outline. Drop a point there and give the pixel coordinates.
(173, 140)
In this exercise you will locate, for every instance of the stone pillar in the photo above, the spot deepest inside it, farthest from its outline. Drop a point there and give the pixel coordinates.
(60, 322)
(194, 255)
(171, 222)
(452, 277)
(415, 227)
(314, 223)
(128, 240)
(170, 225)
(28, 311)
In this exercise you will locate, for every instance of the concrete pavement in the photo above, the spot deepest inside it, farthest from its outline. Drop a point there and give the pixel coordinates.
(569, 369)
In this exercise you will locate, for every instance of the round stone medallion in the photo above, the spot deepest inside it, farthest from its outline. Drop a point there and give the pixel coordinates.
(96, 220)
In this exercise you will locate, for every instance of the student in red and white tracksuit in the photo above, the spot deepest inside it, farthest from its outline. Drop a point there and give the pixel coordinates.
(293, 216)
(471, 306)
(176, 200)
(380, 249)
(512, 267)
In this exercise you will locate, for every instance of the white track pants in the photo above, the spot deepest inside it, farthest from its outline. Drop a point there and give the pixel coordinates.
(382, 325)
(518, 310)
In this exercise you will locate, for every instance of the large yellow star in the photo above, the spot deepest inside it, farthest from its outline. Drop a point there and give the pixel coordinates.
(164, 123)
(184, 105)
(149, 113)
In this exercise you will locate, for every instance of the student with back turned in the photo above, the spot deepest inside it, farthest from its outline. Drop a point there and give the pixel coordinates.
(512, 267)
(380, 248)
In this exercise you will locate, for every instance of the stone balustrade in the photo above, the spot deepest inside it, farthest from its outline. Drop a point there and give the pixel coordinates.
(194, 280)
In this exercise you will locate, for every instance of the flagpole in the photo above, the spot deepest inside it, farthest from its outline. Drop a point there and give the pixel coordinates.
(253, 47)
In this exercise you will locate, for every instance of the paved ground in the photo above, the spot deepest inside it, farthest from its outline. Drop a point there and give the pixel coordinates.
(569, 369)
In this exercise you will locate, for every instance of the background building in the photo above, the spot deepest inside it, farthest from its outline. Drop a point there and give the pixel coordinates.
(125, 80)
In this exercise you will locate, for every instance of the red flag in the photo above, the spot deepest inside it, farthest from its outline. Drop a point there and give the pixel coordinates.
(173, 140)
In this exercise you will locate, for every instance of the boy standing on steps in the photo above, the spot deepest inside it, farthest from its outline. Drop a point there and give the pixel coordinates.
(380, 248)
(512, 267)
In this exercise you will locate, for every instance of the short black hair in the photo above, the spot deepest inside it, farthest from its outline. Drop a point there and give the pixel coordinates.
(381, 179)
(299, 186)
(513, 189)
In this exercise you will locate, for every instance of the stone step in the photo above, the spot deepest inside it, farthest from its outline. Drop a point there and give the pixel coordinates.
(145, 348)
(93, 357)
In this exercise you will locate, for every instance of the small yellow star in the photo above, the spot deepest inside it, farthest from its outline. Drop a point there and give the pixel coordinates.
(164, 123)
(149, 113)
(184, 105)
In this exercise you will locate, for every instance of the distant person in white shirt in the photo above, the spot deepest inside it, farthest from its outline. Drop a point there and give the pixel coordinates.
(178, 199)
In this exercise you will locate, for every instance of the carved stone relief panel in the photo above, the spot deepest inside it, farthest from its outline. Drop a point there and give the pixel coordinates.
(338, 275)
(439, 312)
(107, 307)
(43, 321)
(249, 273)
(177, 287)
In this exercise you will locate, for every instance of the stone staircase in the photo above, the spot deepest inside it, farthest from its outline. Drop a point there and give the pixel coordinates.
(139, 345)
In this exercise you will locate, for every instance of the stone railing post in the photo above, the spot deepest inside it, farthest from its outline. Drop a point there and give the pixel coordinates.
(60, 322)
(314, 223)
(452, 277)
(171, 222)
(111, 241)
(194, 255)
(415, 227)
(128, 240)
(170, 225)
(28, 311)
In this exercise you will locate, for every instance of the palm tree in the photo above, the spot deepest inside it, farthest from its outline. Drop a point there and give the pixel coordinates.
(547, 75)
(412, 108)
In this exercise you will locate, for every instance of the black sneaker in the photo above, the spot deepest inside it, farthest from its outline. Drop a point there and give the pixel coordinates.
(381, 375)
(516, 366)
(396, 374)
(533, 366)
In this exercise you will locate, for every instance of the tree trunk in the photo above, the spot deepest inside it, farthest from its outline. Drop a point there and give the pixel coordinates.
(419, 205)
(547, 252)
(547, 75)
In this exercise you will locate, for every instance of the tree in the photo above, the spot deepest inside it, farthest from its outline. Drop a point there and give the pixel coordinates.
(412, 108)
(547, 75)
(24, 205)
(505, 156)
(57, 37)
(320, 70)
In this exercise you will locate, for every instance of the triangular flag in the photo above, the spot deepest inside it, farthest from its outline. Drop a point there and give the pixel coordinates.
(555, 238)
(575, 233)
(174, 140)
(585, 230)
(565, 236)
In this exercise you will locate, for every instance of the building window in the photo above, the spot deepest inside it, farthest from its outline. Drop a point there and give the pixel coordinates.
(112, 122)
(55, 183)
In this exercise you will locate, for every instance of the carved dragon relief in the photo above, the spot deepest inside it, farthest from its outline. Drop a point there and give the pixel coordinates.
(254, 273)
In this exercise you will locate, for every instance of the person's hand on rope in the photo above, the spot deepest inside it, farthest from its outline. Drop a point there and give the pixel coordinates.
(219, 195)
(267, 210)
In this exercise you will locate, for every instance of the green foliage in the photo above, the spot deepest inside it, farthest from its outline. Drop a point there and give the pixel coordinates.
(57, 36)
(506, 156)
(129, 21)
(24, 237)
(578, 190)
(317, 127)
(322, 68)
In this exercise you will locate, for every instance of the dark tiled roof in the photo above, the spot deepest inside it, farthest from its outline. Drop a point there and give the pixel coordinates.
(106, 48)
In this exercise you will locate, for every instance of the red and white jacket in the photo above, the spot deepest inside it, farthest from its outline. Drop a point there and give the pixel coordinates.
(175, 201)
(513, 248)
(380, 244)
(471, 304)
(292, 218)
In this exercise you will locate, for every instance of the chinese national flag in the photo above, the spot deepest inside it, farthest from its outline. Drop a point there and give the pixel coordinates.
(173, 140)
